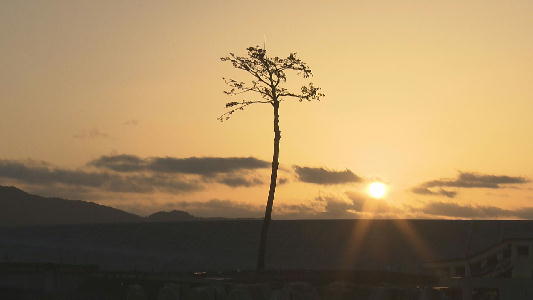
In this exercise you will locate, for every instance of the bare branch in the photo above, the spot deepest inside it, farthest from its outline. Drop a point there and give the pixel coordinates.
(236, 106)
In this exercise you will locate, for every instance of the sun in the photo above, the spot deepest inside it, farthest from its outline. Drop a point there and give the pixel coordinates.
(377, 189)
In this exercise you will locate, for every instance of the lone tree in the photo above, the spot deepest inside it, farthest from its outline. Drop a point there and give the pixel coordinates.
(268, 75)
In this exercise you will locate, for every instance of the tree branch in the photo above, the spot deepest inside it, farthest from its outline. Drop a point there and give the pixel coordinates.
(238, 106)
(238, 88)
(308, 93)
(269, 73)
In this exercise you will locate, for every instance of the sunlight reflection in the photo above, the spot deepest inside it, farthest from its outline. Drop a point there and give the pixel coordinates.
(362, 236)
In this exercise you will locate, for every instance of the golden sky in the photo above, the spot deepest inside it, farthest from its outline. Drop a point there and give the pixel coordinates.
(416, 91)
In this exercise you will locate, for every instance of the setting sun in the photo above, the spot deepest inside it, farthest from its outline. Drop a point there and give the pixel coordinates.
(377, 189)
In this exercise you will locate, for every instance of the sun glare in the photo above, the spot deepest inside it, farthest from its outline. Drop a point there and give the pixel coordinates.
(377, 189)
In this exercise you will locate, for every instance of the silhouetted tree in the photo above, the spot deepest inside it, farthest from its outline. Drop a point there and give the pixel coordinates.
(268, 75)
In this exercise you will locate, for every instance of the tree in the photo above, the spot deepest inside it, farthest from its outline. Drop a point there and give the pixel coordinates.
(268, 77)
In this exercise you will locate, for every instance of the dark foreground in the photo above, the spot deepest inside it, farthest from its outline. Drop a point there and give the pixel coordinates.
(55, 281)
(379, 259)
(387, 245)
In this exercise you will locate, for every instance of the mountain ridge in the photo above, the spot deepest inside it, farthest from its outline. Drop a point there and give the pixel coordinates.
(19, 208)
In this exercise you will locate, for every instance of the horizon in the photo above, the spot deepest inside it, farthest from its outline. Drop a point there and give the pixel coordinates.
(427, 113)
(324, 217)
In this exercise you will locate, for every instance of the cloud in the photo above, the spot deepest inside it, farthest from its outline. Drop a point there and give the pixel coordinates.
(229, 171)
(238, 181)
(321, 207)
(422, 190)
(93, 133)
(354, 205)
(296, 211)
(475, 180)
(39, 174)
(337, 208)
(328, 207)
(466, 180)
(132, 122)
(466, 211)
(364, 203)
(475, 211)
(132, 174)
(218, 208)
(524, 213)
(283, 181)
(205, 166)
(324, 176)
(120, 163)
(236, 209)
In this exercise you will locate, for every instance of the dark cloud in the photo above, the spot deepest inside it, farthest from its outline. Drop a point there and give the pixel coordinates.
(327, 207)
(324, 176)
(355, 205)
(230, 171)
(120, 163)
(295, 211)
(133, 174)
(39, 174)
(205, 166)
(474, 180)
(283, 181)
(235, 209)
(338, 208)
(93, 133)
(476, 212)
(426, 191)
(524, 213)
(43, 175)
(467, 211)
(239, 181)
(466, 180)
(321, 207)
(364, 203)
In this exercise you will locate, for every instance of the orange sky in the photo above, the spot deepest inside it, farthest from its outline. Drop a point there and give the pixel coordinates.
(415, 91)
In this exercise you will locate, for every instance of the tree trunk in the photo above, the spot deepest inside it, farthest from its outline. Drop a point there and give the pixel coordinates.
(271, 191)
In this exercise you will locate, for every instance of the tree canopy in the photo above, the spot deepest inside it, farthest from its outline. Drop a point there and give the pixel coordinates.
(268, 79)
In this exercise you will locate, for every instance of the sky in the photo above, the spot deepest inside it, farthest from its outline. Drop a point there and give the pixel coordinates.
(116, 102)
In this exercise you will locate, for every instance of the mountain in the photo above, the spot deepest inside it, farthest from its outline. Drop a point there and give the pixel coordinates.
(20, 208)
(171, 216)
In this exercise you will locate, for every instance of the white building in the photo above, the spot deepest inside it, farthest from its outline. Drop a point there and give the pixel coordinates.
(503, 271)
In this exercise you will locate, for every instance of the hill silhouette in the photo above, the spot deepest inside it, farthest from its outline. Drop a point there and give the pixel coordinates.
(171, 216)
(20, 208)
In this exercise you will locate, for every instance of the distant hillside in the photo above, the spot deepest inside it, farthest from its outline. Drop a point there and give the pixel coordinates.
(20, 208)
(171, 216)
